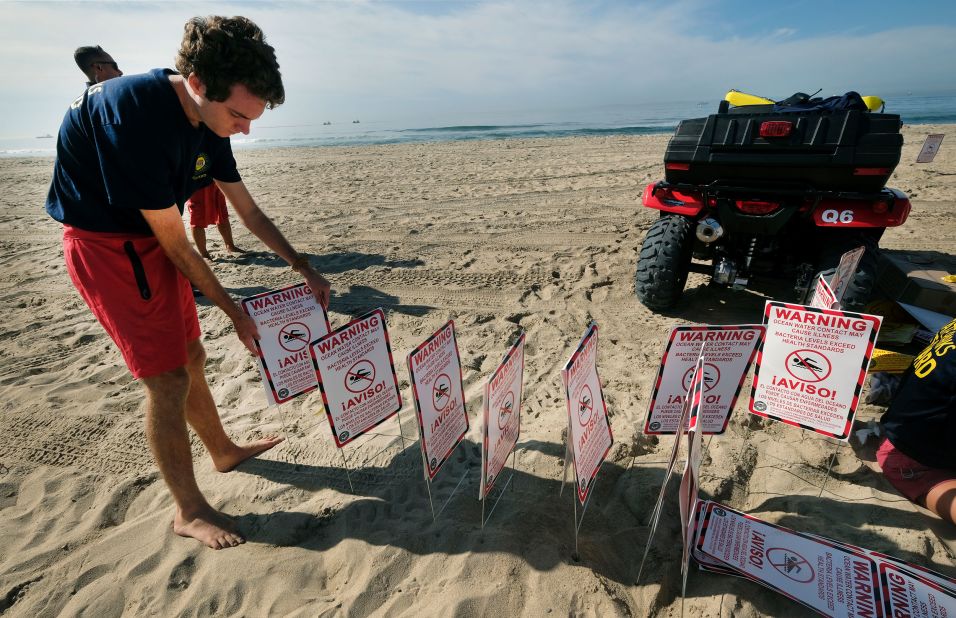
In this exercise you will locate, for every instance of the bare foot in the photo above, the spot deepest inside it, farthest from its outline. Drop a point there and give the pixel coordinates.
(228, 461)
(205, 254)
(209, 527)
(234, 249)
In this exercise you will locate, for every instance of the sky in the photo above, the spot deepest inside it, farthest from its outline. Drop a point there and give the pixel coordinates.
(426, 63)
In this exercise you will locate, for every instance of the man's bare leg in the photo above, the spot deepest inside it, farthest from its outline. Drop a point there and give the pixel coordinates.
(941, 499)
(169, 442)
(204, 418)
(226, 230)
(199, 237)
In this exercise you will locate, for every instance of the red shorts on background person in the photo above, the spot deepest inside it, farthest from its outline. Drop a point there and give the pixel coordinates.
(207, 206)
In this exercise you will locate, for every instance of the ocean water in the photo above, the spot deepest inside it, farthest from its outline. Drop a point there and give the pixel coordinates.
(639, 119)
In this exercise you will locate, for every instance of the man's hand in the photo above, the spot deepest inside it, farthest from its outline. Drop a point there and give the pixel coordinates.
(320, 286)
(246, 331)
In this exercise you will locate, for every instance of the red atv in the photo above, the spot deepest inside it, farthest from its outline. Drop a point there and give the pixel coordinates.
(778, 189)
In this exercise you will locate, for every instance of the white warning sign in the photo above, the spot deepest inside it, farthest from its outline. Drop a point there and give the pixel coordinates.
(930, 147)
(589, 428)
(727, 351)
(823, 297)
(811, 367)
(501, 410)
(845, 272)
(357, 376)
(288, 321)
(908, 594)
(435, 371)
(831, 579)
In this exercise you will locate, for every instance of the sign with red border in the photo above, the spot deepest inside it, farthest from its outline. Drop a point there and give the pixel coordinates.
(357, 377)
(689, 487)
(823, 297)
(832, 579)
(811, 366)
(434, 369)
(288, 321)
(728, 352)
(501, 412)
(589, 427)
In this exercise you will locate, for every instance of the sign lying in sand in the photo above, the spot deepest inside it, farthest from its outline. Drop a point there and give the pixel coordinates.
(727, 351)
(589, 431)
(357, 376)
(288, 321)
(435, 371)
(811, 367)
(501, 411)
(833, 578)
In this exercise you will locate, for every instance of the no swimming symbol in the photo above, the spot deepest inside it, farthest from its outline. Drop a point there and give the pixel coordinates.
(808, 365)
(585, 405)
(294, 336)
(360, 376)
(790, 564)
(441, 392)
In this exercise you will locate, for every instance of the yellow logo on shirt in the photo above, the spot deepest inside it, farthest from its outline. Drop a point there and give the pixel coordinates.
(202, 165)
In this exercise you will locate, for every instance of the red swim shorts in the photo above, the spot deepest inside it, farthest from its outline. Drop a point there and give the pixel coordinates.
(137, 294)
(908, 476)
(207, 206)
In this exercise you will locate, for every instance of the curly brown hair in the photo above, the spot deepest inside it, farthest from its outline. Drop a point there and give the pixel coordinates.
(223, 51)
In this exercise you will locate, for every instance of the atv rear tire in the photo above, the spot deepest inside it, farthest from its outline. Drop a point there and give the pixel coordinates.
(664, 262)
(860, 290)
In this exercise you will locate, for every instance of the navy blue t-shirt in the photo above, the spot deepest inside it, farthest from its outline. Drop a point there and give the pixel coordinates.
(921, 420)
(126, 145)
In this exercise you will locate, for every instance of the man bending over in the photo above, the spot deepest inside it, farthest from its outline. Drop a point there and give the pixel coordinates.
(130, 151)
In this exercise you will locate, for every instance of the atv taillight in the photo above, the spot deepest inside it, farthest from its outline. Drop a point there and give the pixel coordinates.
(871, 171)
(677, 166)
(880, 207)
(756, 207)
(775, 128)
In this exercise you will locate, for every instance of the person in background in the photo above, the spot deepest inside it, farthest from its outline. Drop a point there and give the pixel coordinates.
(207, 206)
(129, 152)
(918, 455)
(96, 64)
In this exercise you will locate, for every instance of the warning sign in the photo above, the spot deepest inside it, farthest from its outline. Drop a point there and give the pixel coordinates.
(689, 486)
(844, 274)
(288, 321)
(930, 147)
(435, 371)
(589, 428)
(811, 367)
(829, 578)
(355, 370)
(908, 594)
(823, 297)
(501, 410)
(728, 352)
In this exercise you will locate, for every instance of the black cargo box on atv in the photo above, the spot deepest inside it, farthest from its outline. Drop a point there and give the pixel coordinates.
(847, 150)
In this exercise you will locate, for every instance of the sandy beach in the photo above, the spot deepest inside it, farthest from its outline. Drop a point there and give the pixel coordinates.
(540, 235)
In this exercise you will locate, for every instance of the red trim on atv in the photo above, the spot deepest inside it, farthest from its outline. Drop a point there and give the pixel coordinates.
(890, 210)
(689, 204)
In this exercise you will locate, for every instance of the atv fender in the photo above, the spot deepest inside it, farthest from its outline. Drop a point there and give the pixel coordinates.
(671, 200)
(889, 210)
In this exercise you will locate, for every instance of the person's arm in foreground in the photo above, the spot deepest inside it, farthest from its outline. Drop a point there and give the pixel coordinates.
(262, 226)
(167, 225)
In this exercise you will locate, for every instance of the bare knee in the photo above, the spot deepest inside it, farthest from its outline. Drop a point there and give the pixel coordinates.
(196, 354)
(169, 386)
